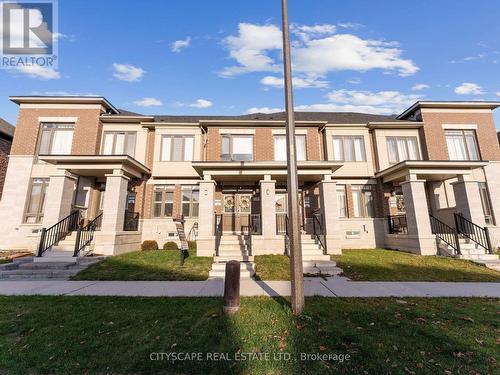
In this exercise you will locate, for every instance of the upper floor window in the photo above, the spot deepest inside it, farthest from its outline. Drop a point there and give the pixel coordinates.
(163, 201)
(402, 148)
(119, 143)
(280, 147)
(36, 201)
(349, 148)
(362, 201)
(462, 144)
(190, 201)
(237, 147)
(56, 139)
(177, 148)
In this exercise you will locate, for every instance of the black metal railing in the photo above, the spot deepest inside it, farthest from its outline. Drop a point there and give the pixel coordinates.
(319, 230)
(218, 232)
(51, 236)
(85, 234)
(281, 223)
(255, 224)
(474, 232)
(131, 221)
(445, 233)
(397, 224)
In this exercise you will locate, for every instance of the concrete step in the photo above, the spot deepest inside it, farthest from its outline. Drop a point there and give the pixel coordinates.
(479, 257)
(62, 247)
(46, 265)
(323, 268)
(315, 257)
(473, 251)
(226, 258)
(310, 247)
(39, 274)
(247, 270)
(233, 253)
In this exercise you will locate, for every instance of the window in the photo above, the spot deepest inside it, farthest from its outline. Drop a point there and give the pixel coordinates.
(402, 148)
(119, 143)
(462, 144)
(349, 148)
(177, 148)
(341, 201)
(237, 147)
(486, 203)
(190, 201)
(280, 147)
(163, 201)
(56, 139)
(36, 201)
(362, 200)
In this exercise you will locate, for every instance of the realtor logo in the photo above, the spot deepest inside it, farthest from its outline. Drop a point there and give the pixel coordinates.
(28, 33)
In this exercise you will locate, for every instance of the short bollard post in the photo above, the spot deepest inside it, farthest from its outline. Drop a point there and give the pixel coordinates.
(232, 288)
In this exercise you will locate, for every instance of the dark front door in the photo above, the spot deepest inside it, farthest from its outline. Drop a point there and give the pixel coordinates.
(236, 213)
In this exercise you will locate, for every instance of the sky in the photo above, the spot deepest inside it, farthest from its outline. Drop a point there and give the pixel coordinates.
(224, 57)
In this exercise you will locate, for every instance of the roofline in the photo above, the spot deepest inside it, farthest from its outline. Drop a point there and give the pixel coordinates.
(450, 104)
(125, 118)
(40, 99)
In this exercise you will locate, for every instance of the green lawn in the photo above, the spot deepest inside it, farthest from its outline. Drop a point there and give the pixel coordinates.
(272, 267)
(2, 261)
(148, 265)
(389, 265)
(113, 335)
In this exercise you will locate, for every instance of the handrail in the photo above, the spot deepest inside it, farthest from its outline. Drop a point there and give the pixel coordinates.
(445, 233)
(474, 232)
(318, 230)
(397, 224)
(218, 232)
(52, 235)
(85, 234)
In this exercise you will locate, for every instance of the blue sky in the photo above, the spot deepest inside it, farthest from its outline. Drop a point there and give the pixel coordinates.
(223, 57)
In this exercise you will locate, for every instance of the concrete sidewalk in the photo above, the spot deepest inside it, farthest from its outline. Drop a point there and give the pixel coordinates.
(332, 287)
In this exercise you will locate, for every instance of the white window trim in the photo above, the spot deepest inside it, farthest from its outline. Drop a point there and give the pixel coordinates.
(237, 131)
(459, 126)
(58, 119)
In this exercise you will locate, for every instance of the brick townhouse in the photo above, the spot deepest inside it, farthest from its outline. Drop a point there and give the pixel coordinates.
(6, 135)
(422, 181)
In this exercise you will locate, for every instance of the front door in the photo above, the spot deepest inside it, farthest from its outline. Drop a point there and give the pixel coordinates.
(236, 213)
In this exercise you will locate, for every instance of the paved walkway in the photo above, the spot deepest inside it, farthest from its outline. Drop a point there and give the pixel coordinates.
(332, 287)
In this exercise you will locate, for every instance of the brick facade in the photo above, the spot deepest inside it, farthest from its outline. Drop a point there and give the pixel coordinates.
(5, 145)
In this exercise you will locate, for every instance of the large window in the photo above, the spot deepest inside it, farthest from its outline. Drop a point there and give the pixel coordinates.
(462, 144)
(56, 139)
(177, 148)
(163, 201)
(341, 201)
(362, 200)
(190, 201)
(119, 143)
(36, 201)
(237, 147)
(349, 148)
(486, 203)
(280, 147)
(402, 148)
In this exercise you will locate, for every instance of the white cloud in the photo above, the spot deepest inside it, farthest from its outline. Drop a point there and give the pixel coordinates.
(199, 103)
(354, 81)
(179, 45)
(420, 87)
(129, 73)
(40, 72)
(316, 53)
(264, 110)
(498, 93)
(298, 82)
(148, 102)
(468, 88)
(382, 102)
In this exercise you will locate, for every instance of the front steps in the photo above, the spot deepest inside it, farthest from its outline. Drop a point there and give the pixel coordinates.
(235, 247)
(30, 269)
(473, 252)
(63, 251)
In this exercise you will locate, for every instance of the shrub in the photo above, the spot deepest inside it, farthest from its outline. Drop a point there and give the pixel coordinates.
(149, 245)
(192, 245)
(170, 245)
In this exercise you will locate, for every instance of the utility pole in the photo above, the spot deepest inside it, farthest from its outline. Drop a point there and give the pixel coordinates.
(297, 277)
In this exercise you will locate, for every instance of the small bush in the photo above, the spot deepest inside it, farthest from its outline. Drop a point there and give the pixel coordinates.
(149, 245)
(192, 245)
(170, 245)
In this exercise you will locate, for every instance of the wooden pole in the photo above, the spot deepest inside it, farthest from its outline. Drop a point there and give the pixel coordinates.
(297, 277)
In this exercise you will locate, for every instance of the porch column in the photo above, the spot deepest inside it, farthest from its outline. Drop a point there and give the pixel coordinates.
(468, 199)
(268, 207)
(115, 199)
(205, 243)
(420, 237)
(330, 215)
(59, 200)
